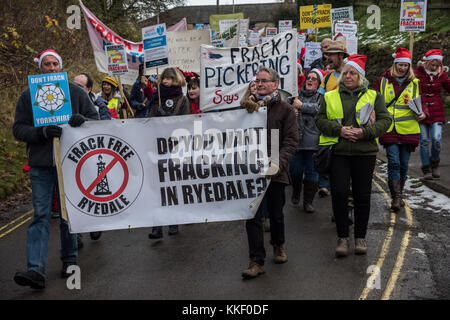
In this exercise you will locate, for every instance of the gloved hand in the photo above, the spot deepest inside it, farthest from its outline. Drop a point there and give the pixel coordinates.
(141, 106)
(76, 120)
(250, 105)
(52, 131)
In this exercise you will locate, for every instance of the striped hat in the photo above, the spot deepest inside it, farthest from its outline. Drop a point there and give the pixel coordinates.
(111, 81)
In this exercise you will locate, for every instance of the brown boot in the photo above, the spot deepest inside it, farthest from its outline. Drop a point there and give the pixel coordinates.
(394, 188)
(279, 254)
(342, 247)
(435, 168)
(427, 175)
(360, 246)
(254, 270)
(402, 186)
(310, 190)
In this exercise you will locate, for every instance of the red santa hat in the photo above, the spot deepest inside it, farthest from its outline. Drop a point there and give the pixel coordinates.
(45, 53)
(402, 55)
(434, 54)
(320, 73)
(357, 61)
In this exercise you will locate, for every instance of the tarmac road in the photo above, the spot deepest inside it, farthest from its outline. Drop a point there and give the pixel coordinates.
(204, 261)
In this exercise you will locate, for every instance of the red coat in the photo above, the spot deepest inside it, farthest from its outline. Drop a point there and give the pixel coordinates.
(430, 91)
(393, 137)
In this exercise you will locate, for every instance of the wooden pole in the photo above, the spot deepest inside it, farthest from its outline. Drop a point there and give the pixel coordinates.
(316, 33)
(62, 194)
(159, 91)
(124, 98)
(411, 44)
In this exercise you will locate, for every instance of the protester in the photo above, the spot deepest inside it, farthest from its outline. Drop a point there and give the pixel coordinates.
(301, 168)
(43, 175)
(193, 94)
(335, 53)
(141, 94)
(170, 102)
(354, 148)
(398, 85)
(432, 78)
(110, 93)
(250, 96)
(321, 62)
(86, 82)
(281, 117)
(300, 76)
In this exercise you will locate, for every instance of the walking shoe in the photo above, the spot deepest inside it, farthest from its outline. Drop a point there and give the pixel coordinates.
(342, 247)
(64, 273)
(173, 230)
(279, 254)
(308, 207)
(360, 246)
(323, 192)
(426, 170)
(95, 235)
(30, 278)
(254, 270)
(79, 241)
(156, 234)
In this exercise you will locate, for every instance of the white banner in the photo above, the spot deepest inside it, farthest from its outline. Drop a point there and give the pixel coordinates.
(188, 169)
(226, 72)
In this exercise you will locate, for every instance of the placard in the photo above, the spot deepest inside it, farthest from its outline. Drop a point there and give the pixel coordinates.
(156, 51)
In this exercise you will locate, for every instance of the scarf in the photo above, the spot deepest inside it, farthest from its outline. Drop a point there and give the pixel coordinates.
(168, 96)
(273, 97)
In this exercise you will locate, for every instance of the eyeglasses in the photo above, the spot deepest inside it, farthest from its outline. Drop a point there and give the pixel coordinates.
(262, 81)
(311, 78)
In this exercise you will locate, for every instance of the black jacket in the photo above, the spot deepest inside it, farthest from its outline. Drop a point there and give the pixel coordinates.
(40, 149)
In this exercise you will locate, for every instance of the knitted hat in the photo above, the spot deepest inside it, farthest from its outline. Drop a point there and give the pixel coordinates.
(402, 55)
(320, 73)
(357, 61)
(45, 53)
(434, 54)
(111, 81)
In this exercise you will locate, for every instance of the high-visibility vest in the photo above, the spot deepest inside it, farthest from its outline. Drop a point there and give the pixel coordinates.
(113, 107)
(335, 110)
(404, 118)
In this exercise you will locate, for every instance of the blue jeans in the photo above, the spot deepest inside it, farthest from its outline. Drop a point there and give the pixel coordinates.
(398, 161)
(324, 182)
(43, 181)
(302, 166)
(431, 132)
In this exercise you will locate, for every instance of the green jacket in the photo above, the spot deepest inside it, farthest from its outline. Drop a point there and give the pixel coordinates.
(367, 146)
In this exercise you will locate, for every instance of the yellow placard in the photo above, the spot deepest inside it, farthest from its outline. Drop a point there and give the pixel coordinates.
(316, 16)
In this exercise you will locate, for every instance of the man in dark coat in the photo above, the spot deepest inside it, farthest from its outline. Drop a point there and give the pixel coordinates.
(280, 118)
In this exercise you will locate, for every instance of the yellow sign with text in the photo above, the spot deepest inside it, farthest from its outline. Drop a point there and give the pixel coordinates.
(316, 16)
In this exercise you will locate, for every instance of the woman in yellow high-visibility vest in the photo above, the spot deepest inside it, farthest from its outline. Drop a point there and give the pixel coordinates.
(398, 85)
(344, 123)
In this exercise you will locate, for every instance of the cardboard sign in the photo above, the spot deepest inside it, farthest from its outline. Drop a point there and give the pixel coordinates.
(214, 19)
(413, 16)
(316, 16)
(50, 98)
(226, 72)
(271, 32)
(284, 25)
(156, 51)
(117, 59)
(312, 52)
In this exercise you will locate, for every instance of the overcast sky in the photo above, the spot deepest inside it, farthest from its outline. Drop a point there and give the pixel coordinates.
(214, 2)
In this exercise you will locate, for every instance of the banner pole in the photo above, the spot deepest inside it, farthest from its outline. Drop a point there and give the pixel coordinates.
(62, 194)
(316, 33)
(124, 98)
(159, 91)
(411, 43)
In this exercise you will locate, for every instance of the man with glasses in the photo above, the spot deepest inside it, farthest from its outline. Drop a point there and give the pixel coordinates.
(280, 119)
(85, 81)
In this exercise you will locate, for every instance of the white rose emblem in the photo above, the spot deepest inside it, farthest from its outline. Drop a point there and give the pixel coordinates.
(50, 97)
(169, 103)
